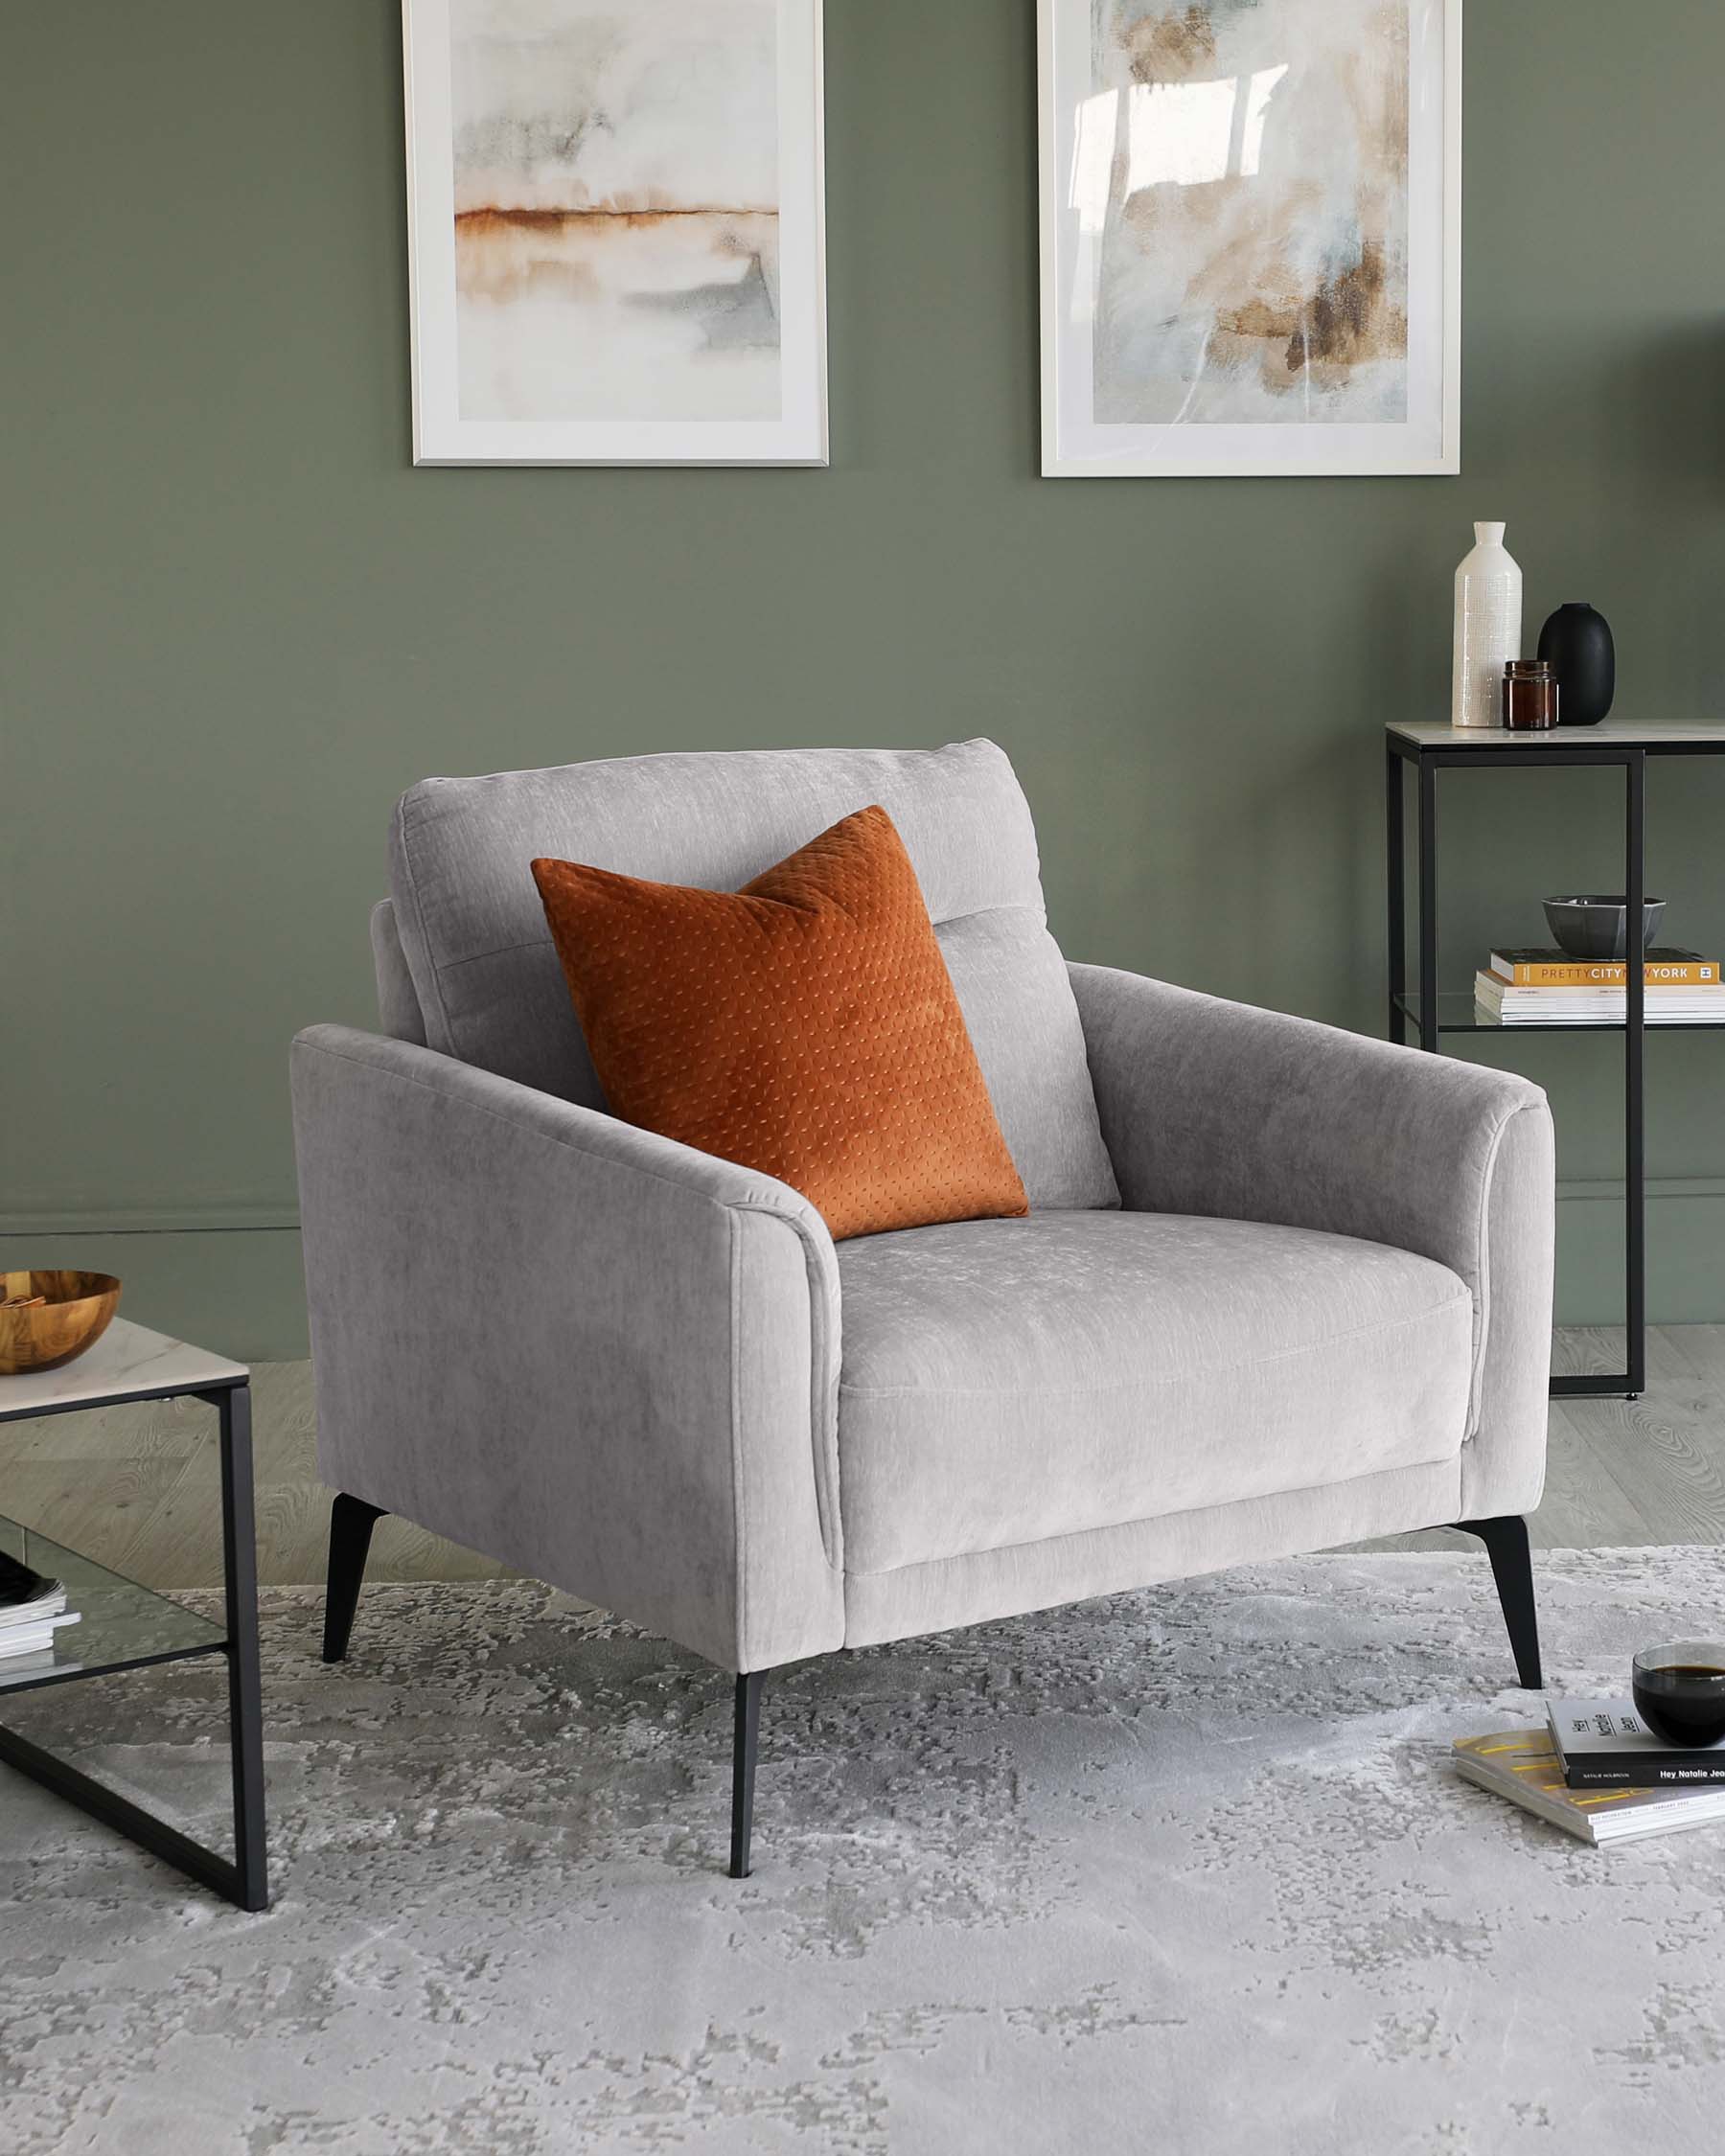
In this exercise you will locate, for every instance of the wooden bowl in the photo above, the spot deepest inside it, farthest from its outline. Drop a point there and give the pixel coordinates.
(73, 1315)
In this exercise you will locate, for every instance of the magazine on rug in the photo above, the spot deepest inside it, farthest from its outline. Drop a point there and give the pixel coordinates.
(1523, 1766)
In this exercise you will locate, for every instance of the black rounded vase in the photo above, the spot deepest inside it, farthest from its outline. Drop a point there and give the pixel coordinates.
(1577, 643)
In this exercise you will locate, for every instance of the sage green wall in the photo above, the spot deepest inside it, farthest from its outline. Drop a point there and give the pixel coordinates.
(238, 623)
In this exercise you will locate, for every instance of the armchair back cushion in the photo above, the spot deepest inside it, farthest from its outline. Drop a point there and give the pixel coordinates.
(491, 988)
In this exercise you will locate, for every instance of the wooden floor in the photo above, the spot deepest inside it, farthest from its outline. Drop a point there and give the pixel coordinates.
(136, 1487)
(1621, 1471)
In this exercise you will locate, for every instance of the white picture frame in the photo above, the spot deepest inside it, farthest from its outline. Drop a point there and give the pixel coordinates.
(533, 402)
(1084, 146)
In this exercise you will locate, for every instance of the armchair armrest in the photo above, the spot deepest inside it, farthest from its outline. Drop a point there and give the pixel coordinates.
(1215, 1107)
(589, 1351)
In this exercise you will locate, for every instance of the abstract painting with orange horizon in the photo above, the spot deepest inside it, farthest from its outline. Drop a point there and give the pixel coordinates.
(617, 208)
(614, 209)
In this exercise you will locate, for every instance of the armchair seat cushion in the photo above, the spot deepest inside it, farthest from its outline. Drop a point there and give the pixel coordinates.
(1005, 1381)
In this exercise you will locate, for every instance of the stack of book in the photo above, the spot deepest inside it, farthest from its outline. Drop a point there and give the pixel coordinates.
(1598, 1772)
(1540, 987)
(32, 1610)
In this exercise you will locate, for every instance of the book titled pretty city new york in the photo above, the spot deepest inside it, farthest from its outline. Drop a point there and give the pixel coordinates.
(1605, 1744)
(1665, 967)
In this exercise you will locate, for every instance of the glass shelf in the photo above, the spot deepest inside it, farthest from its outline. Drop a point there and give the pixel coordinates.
(120, 1625)
(1458, 1013)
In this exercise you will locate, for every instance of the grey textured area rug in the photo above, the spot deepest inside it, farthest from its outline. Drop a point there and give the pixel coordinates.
(1184, 1869)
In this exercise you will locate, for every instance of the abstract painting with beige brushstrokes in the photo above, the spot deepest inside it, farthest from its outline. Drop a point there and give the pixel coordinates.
(1250, 234)
(628, 190)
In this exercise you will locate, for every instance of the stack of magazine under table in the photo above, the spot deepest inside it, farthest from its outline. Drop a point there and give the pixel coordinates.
(32, 1609)
(1541, 987)
(1600, 1773)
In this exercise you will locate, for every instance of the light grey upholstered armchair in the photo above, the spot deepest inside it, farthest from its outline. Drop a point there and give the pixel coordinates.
(1281, 1287)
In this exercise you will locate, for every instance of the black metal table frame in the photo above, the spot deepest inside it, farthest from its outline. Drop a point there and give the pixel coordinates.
(1632, 762)
(243, 1879)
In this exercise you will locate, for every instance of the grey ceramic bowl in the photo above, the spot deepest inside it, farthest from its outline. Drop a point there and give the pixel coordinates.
(1598, 928)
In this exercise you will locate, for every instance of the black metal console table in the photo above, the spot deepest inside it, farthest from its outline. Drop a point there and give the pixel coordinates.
(123, 1626)
(1430, 750)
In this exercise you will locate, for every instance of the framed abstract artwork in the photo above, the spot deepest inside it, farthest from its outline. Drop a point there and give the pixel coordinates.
(615, 231)
(1250, 237)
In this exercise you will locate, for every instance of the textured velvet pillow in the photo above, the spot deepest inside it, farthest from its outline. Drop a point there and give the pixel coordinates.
(805, 1026)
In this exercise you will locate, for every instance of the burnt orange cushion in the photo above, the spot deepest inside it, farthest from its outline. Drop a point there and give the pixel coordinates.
(805, 1026)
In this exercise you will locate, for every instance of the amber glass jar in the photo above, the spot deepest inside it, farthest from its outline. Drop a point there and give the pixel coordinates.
(1529, 695)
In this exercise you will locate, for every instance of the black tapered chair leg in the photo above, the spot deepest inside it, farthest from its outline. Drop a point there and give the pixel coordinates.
(1506, 1542)
(351, 1523)
(745, 1732)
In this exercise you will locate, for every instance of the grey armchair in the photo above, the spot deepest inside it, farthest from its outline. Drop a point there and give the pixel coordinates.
(1281, 1287)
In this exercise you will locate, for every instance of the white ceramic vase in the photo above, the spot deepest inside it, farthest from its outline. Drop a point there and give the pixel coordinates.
(1488, 629)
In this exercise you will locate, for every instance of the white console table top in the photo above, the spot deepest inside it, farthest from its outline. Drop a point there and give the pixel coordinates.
(1698, 734)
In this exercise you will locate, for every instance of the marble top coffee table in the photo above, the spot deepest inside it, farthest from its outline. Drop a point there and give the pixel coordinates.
(123, 1626)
